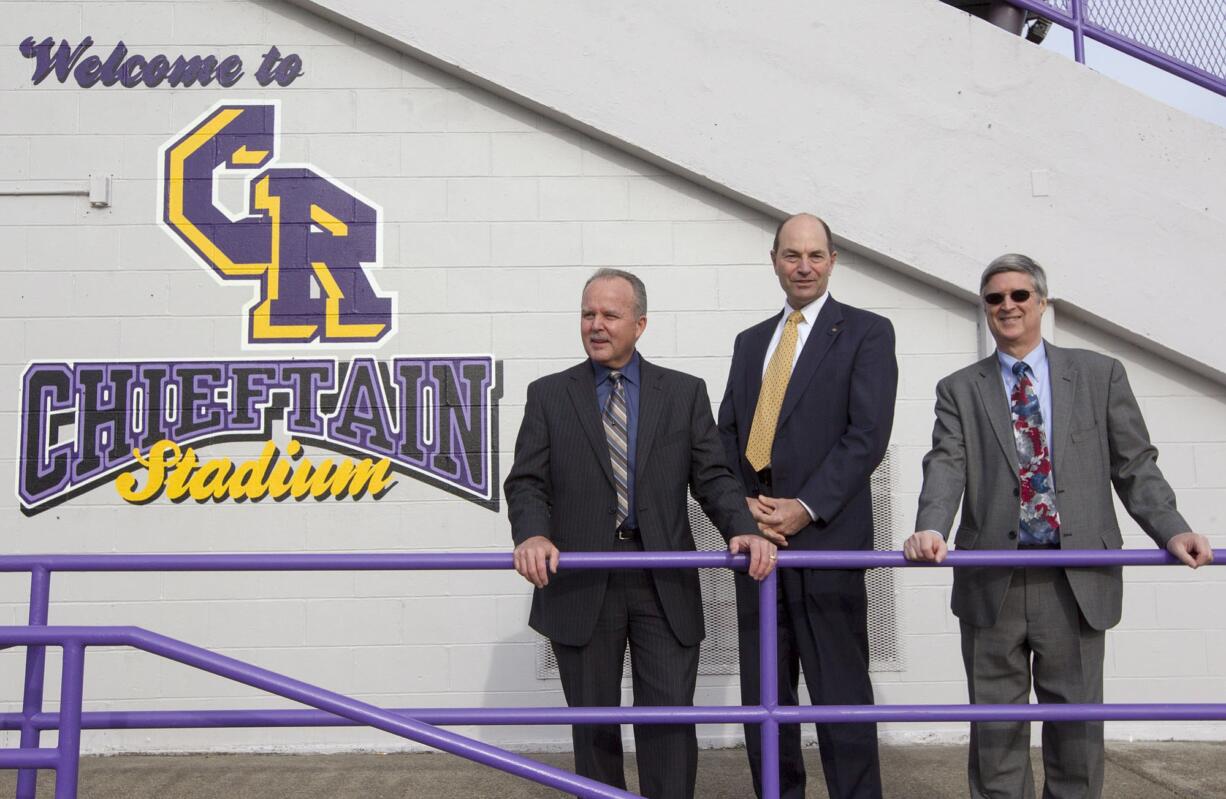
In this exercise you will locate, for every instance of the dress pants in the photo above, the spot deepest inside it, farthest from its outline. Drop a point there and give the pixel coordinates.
(664, 672)
(1040, 631)
(823, 629)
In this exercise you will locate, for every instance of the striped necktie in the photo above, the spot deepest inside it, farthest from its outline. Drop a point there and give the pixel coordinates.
(615, 430)
(1039, 521)
(770, 398)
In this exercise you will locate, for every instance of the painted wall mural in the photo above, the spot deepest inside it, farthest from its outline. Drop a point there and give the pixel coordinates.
(303, 238)
(306, 243)
(130, 70)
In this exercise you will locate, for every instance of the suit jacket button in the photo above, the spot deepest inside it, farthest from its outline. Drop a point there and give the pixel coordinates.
(1012, 535)
(1016, 492)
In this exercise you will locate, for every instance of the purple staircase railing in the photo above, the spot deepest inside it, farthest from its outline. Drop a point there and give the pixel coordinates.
(421, 725)
(1187, 38)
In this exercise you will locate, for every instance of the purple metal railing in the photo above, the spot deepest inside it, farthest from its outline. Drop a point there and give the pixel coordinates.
(419, 724)
(1187, 39)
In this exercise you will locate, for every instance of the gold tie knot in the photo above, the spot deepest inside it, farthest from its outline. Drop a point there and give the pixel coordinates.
(795, 318)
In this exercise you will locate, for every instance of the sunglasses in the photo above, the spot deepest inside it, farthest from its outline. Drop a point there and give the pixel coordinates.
(1017, 295)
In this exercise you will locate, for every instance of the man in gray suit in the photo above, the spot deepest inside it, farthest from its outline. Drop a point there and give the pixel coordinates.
(1030, 441)
(605, 455)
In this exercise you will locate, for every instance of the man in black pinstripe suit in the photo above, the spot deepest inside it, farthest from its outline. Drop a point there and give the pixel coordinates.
(604, 457)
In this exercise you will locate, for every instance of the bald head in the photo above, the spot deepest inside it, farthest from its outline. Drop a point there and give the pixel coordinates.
(811, 218)
(803, 259)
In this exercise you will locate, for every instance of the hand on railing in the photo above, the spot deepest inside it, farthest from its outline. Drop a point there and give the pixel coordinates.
(1191, 548)
(761, 553)
(926, 546)
(535, 558)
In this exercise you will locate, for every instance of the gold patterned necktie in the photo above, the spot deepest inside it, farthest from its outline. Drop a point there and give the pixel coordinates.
(770, 398)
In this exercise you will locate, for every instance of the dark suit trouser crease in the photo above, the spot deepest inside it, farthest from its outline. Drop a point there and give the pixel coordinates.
(664, 672)
(823, 630)
(1039, 631)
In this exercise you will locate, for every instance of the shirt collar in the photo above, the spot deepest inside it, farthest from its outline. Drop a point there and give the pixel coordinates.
(1034, 359)
(810, 311)
(630, 372)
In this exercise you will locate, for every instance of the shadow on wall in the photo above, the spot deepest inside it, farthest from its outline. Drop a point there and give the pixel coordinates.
(512, 680)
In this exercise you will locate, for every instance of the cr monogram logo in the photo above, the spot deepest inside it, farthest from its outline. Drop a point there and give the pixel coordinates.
(303, 237)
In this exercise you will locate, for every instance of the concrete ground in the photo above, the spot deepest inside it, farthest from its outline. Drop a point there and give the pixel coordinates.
(1134, 771)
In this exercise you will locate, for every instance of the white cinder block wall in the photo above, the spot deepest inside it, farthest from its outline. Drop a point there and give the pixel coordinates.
(493, 218)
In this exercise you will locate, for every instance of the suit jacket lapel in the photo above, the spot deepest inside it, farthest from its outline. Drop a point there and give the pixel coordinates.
(757, 340)
(651, 399)
(996, 406)
(582, 391)
(1063, 395)
(825, 330)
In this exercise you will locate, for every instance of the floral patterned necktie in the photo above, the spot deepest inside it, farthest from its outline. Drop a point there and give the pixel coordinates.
(1040, 523)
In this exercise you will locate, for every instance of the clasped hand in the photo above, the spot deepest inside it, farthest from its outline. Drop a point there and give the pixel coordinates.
(778, 518)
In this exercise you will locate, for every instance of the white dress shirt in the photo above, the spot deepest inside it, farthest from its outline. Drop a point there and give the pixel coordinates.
(810, 313)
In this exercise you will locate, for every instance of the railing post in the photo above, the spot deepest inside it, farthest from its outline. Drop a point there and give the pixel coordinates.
(36, 657)
(1077, 9)
(71, 682)
(768, 689)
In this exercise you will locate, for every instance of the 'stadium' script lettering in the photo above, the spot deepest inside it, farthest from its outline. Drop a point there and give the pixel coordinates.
(83, 424)
(181, 475)
(132, 69)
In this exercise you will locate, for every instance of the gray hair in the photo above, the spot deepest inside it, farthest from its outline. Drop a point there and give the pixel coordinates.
(640, 291)
(1016, 262)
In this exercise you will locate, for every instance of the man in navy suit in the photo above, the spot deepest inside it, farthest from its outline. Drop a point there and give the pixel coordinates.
(805, 420)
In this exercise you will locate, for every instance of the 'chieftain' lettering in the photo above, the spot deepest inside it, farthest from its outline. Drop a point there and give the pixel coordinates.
(84, 423)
